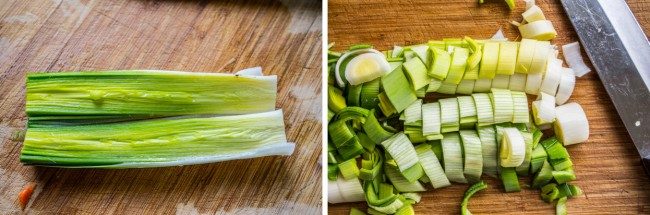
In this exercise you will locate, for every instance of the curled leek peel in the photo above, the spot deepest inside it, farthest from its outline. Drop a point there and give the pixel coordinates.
(513, 148)
(468, 194)
(157, 142)
(132, 93)
(539, 30)
(571, 124)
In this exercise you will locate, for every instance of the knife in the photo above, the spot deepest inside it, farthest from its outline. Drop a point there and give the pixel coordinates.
(620, 52)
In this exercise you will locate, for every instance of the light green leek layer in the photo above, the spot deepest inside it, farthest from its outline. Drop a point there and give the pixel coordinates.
(157, 142)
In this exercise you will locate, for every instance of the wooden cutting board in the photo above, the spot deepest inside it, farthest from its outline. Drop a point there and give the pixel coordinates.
(607, 166)
(284, 37)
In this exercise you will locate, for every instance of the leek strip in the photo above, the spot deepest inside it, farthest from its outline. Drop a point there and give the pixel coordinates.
(349, 169)
(482, 85)
(447, 88)
(402, 184)
(166, 93)
(449, 118)
(374, 130)
(431, 121)
(507, 58)
(489, 149)
(484, 113)
(513, 148)
(571, 124)
(350, 149)
(467, 111)
(159, 142)
(465, 87)
(369, 93)
(439, 64)
(502, 105)
(416, 72)
(520, 107)
(567, 84)
(453, 156)
(394, 86)
(549, 192)
(539, 30)
(458, 65)
(525, 57)
(468, 194)
(432, 167)
(544, 176)
(411, 174)
(472, 153)
(489, 60)
(560, 207)
(402, 150)
(501, 82)
(509, 179)
(335, 99)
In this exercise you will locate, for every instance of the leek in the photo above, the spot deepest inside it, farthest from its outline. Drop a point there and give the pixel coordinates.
(458, 65)
(394, 86)
(157, 142)
(468, 194)
(472, 153)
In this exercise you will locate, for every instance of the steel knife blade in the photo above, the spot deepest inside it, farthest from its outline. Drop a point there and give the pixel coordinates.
(620, 52)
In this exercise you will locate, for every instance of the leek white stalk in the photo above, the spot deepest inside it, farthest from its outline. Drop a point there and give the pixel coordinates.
(482, 85)
(544, 109)
(473, 157)
(513, 148)
(571, 125)
(552, 76)
(534, 13)
(517, 82)
(501, 81)
(453, 157)
(565, 89)
(533, 82)
(525, 56)
(573, 58)
(431, 121)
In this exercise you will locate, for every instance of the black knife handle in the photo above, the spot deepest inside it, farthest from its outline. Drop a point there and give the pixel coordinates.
(646, 165)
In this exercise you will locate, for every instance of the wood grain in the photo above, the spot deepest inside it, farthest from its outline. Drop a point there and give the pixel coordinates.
(607, 166)
(284, 37)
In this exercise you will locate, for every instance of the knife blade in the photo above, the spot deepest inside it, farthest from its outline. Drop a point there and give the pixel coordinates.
(620, 53)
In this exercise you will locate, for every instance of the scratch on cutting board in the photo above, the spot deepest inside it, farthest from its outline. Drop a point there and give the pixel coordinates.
(297, 208)
(25, 18)
(299, 23)
(309, 101)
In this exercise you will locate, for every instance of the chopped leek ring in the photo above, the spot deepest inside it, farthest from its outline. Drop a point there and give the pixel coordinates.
(343, 61)
(489, 60)
(552, 77)
(416, 72)
(450, 116)
(374, 130)
(354, 95)
(484, 109)
(489, 148)
(539, 30)
(366, 67)
(507, 58)
(525, 166)
(458, 65)
(369, 93)
(520, 107)
(473, 157)
(434, 85)
(157, 142)
(513, 148)
(397, 51)
(351, 190)
(571, 125)
(447, 88)
(567, 84)
(422, 51)
(544, 176)
(452, 153)
(573, 57)
(432, 167)
(468, 194)
(541, 57)
(534, 13)
(335, 99)
(533, 82)
(549, 192)
(509, 179)
(349, 169)
(394, 86)
(431, 121)
(517, 82)
(560, 207)
(473, 62)
(402, 184)
(525, 57)
(502, 105)
(440, 64)
(501, 81)
(482, 85)
(402, 151)
(413, 114)
(537, 159)
(465, 87)
(467, 111)
(544, 109)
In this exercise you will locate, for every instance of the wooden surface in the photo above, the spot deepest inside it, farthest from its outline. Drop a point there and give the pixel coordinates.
(284, 37)
(607, 166)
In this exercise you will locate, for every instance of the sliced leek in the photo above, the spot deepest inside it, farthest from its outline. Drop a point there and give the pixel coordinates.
(450, 117)
(502, 105)
(520, 107)
(534, 13)
(431, 121)
(416, 72)
(573, 58)
(517, 82)
(484, 109)
(507, 58)
(458, 65)
(482, 85)
(539, 30)
(440, 64)
(541, 56)
(402, 150)
(432, 167)
(552, 76)
(489, 60)
(533, 82)
(571, 124)
(501, 81)
(513, 148)
(467, 111)
(567, 84)
(394, 86)
(489, 148)
(452, 153)
(473, 162)
(465, 87)
(544, 109)
(525, 56)
(366, 67)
